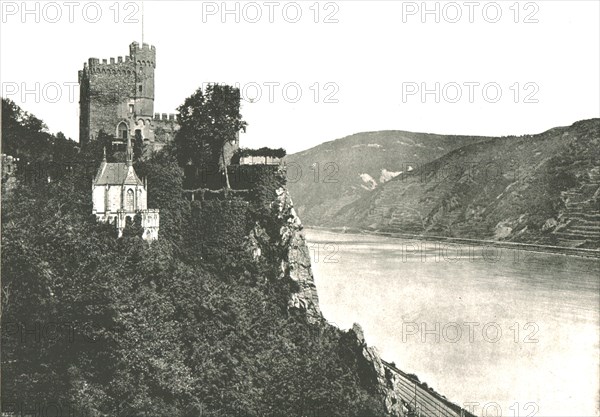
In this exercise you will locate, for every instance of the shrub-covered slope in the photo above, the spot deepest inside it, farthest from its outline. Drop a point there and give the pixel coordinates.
(209, 320)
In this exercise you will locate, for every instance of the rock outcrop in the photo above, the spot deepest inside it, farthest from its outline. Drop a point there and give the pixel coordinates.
(404, 395)
(296, 262)
(392, 400)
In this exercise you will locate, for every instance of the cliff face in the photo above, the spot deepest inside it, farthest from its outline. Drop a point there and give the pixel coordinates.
(296, 260)
(293, 256)
(403, 394)
(392, 399)
(400, 394)
(397, 390)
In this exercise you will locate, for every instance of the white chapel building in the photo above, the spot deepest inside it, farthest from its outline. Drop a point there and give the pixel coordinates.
(118, 193)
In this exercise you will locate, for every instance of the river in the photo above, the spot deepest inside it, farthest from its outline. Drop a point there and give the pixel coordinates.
(511, 333)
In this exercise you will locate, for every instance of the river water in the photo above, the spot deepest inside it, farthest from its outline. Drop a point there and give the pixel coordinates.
(512, 333)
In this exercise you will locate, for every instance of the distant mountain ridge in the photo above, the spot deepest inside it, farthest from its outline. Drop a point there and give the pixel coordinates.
(541, 189)
(334, 174)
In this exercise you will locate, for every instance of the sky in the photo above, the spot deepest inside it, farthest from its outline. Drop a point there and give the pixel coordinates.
(312, 71)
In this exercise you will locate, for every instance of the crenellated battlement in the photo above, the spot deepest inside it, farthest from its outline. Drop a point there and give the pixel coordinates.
(119, 65)
(122, 66)
(139, 55)
(165, 117)
(143, 46)
(92, 62)
(144, 54)
(116, 91)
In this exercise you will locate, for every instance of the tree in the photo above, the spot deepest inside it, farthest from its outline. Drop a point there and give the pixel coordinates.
(26, 137)
(165, 189)
(138, 146)
(127, 327)
(209, 121)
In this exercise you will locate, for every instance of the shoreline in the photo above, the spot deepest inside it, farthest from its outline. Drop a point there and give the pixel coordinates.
(530, 247)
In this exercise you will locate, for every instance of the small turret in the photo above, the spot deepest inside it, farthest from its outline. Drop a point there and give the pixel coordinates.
(146, 53)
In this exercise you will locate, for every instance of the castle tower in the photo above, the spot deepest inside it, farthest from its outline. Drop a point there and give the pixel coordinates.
(117, 95)
(144, 60)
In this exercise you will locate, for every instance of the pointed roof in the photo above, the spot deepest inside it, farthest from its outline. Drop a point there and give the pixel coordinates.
(116, 173)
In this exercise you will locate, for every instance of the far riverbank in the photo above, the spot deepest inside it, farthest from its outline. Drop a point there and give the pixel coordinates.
(530, 247)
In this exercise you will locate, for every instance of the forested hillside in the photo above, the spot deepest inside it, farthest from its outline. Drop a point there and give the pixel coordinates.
(192, 324)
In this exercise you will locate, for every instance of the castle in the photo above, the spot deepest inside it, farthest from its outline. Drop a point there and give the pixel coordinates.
(118, 195)
(117, 98)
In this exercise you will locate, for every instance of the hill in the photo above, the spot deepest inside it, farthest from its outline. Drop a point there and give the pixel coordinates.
(218, 317)
(541, 189)
(335, 174)
(211, 319)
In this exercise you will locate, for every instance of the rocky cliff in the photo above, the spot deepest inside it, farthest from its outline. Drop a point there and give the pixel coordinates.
(397, 390)
(292, 251)
(403, 394)
(296, 261)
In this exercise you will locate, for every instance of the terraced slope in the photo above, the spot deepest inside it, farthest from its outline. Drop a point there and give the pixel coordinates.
(541, 189)
(580, 219)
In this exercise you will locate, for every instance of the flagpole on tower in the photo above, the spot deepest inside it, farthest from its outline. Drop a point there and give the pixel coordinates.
(142, 22)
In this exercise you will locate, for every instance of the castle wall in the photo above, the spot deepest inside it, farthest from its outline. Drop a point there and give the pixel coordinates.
(164, 129)
(106, 91)
(122, 90)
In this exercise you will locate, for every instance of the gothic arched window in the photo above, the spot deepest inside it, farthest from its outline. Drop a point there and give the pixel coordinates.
(129, 200)
(123, 130)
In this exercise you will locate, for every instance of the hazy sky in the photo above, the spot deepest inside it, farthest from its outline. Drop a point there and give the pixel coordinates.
(364, 63)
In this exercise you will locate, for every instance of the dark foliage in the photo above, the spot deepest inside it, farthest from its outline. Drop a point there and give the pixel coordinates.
(275, 153)
(108, 326)
(209, 120)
